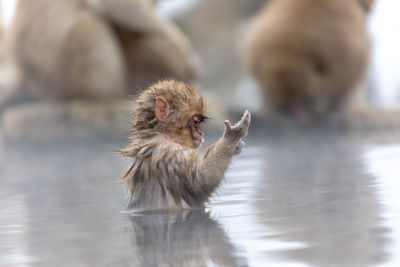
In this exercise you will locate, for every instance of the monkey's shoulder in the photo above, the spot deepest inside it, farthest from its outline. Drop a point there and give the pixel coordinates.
(156, 149)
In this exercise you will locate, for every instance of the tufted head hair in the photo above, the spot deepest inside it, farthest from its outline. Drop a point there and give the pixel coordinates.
(181, 98)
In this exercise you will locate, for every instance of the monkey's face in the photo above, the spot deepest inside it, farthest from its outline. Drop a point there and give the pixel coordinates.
(179, 111)
(188, 134)
(195, 129)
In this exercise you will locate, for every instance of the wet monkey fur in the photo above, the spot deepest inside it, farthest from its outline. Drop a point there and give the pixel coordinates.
(169, 170)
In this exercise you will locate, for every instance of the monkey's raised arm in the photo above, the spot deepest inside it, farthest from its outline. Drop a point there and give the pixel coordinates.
(205, 177)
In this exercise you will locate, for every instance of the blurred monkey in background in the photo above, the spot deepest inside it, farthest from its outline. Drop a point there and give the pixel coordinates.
(308, 56)
(95, 48)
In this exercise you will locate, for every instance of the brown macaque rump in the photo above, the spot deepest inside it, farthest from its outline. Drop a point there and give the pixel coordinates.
(308, 56)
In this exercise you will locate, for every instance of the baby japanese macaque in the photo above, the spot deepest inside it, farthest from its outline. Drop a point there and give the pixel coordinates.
(308, 56)
(170, 171)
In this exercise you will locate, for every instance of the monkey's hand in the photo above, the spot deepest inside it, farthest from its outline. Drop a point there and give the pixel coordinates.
(236, 132)
(240, 129)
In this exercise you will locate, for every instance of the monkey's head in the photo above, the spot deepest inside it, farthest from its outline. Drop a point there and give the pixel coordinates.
(171, 108)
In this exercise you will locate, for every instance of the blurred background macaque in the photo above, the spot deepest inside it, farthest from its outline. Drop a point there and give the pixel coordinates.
(93, 48)
(308, 56)
(90, 49)
(311, 61)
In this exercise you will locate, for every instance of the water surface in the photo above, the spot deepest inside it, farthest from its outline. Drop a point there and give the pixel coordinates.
(304, 199)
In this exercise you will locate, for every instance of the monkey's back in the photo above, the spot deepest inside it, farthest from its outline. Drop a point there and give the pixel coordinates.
(308, 49)
(63, 49)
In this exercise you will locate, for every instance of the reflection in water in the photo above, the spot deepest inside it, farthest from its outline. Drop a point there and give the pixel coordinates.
(59, 207)
(383, 162)
(320, 194)
(12, 231)
(180, 239)
(236, 209)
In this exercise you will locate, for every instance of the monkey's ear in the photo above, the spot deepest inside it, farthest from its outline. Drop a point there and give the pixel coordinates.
(162, 109)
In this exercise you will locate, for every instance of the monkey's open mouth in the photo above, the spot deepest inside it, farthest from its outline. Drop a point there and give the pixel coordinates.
(197, 136)
(197, 133)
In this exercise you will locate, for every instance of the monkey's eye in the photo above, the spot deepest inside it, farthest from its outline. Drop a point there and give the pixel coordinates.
(198, 118)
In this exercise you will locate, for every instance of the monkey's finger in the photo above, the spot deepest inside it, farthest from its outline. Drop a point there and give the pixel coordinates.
(227, 125)
(240, 122)
(244, 116)
(247, 118)
(244, 121)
